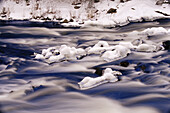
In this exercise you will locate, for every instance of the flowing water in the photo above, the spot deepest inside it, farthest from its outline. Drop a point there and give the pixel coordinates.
(28, 85)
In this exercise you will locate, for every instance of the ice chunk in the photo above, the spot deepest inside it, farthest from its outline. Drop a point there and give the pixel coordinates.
(108, 76)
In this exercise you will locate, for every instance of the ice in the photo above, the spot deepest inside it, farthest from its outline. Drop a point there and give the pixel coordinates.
(108, 76)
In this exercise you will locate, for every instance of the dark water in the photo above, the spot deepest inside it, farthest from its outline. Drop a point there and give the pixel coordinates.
(28, 85)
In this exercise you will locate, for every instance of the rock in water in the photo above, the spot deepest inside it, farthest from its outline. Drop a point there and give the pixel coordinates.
(166, 45)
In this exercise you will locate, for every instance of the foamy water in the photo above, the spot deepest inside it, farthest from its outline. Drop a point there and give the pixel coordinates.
(29, 85)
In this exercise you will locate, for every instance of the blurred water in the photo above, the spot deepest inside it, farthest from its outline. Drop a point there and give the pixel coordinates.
(34, 86)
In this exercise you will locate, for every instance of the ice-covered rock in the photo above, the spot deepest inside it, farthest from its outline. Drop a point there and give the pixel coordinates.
(119, 52)
(108, 76)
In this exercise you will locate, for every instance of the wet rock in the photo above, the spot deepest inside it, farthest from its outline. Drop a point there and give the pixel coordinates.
(133, 8)
(118, 39)
(27, 2)
(46, 19)
(96, 1)
(146, 68)
(99, 71)
(65, 21)
(166, 45)
(76, 7)
(59, 19)
(10, 92)
(124, 63)
(76, 3)
(4, 60)
(71, 20)
(122, 1)
(112, 10)
(35, 88)
(159, 2)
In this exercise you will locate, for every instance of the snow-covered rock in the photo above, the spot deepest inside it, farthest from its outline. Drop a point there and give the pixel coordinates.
(108, 76)
(64, 52)
(155, 31)
(127, 44)
(98, 48)
(102, 48)
(56, 58)
(119, 52)
(39, 56)
(146, 48)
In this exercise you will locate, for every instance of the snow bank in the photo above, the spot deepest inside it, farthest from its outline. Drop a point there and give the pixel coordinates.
(76, 13)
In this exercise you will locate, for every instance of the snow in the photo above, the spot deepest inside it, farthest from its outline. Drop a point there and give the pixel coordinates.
(89, 13)
(108, 76)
